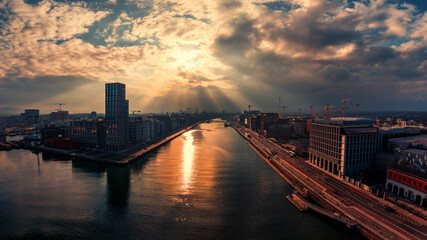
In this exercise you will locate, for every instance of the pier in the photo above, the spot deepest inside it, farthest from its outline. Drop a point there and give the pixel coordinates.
(303, 205)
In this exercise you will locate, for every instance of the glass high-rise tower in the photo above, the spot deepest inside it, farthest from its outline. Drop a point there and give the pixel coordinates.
(116, 116)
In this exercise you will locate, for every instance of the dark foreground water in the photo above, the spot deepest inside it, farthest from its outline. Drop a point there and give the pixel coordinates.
(206, 184)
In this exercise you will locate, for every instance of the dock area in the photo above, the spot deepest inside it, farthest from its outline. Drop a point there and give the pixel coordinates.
(297, 202)
(304, 205)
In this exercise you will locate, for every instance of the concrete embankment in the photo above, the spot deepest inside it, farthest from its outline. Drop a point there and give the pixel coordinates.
(66, 153)
(155, 146)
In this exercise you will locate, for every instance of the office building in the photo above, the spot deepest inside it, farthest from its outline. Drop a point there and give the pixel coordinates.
(2, 132)
(267, 120)
(139, 130)
(88, 133)
(300, 127)
(278, 131)
(58, 116)
(52, 132)
(2, 128)
(116, 116)
(155, 128)
(30, 115)
(343, 146)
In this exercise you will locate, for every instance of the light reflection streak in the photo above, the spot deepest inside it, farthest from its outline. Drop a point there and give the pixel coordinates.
(187, 163)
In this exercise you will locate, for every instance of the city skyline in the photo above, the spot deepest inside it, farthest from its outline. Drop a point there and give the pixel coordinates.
(214, 55)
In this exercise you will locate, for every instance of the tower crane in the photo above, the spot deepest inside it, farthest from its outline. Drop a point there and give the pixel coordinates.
(327, 110)
(60, 106)
(357, 108)
(134, 111)
(343, 106)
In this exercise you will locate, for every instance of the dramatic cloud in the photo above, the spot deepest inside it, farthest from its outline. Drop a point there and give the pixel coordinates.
(214, 55)
(26, 90)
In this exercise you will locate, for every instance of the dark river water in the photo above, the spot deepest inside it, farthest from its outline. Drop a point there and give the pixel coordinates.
(206, 184)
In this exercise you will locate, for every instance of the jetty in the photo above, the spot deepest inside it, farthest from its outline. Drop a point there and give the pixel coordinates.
(303, 205)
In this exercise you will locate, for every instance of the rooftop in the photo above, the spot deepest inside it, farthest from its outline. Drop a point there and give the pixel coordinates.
(359, 130)
(400, 129)
(346, 122)
(421, 139)
(411, 169)
(416, 150)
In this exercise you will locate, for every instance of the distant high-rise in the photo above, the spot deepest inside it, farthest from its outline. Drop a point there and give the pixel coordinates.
(116, 116)
(30, 115)
(2, 132)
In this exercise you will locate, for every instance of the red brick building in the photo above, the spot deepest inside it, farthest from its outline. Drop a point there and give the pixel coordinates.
(408, 181)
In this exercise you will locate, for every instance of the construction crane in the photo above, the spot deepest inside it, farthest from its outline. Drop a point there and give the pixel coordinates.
(323, 112)
(134, 111)
(60, 106)
(249, 107)
(311, 111)
(343, 106)
(327, 110)
(357, 108)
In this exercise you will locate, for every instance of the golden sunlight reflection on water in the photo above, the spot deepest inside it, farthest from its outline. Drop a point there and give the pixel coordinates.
(188, 153)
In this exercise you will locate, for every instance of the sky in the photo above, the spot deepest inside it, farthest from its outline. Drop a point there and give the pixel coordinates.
(214, 55)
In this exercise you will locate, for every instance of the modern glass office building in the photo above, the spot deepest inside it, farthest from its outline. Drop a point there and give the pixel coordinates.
(343, 146)
(116, 116)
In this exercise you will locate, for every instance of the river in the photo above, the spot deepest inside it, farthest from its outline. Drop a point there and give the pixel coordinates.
(206, 184)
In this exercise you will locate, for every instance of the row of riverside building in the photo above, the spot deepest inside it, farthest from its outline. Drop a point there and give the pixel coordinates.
(346, 147)
(117, 131)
